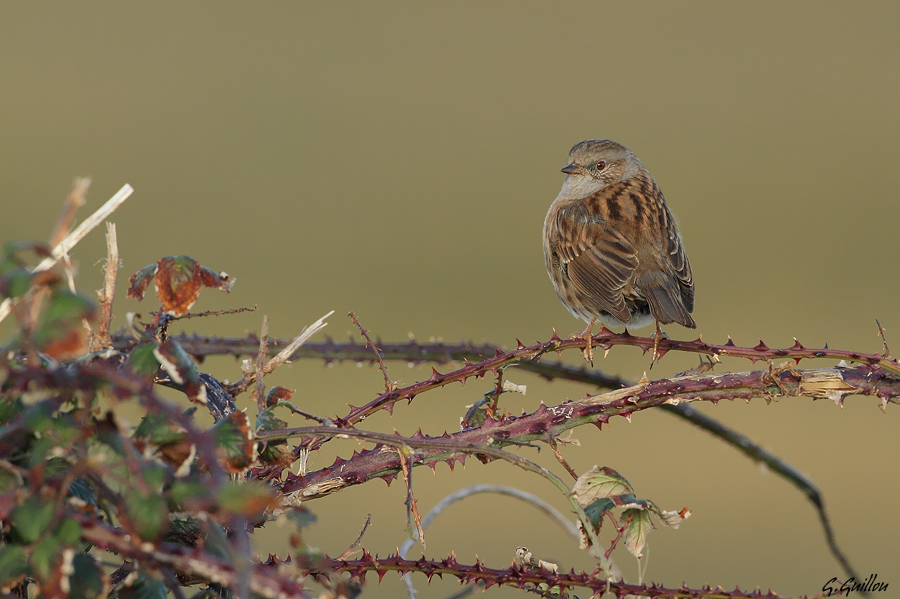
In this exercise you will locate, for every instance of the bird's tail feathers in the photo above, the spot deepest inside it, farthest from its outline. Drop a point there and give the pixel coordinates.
(666, 306)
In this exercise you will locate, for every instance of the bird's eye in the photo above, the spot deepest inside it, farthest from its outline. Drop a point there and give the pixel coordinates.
(601, 165)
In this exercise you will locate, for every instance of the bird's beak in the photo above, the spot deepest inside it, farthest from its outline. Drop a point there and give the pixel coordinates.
(571, 169)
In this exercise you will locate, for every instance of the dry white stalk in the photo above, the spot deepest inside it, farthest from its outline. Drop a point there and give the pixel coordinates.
(304, 336)
(77, 234)
(107, 294)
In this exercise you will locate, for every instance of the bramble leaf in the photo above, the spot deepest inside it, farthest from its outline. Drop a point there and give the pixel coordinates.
(247, 499)
(600, 482)
(235, 441)
(60, 332)
(13, 564)
(638, 527)
(147, 516)
(31, 519)
(88, 581)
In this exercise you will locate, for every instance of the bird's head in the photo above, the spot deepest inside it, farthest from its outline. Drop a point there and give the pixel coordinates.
(598, 163)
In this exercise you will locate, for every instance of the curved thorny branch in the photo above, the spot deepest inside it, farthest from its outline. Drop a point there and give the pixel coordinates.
(815, 383)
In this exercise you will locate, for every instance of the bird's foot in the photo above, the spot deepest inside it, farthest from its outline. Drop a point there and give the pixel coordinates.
(588, 352)
(657, 337)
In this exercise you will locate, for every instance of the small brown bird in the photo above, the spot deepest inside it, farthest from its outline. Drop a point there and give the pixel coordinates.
(611, 245)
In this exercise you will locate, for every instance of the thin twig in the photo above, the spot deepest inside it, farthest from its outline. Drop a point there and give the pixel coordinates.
(355, 545)
(281, 357)
(887, 351)
(759, 454)
(259, 393)
(74, 201)
(469, 491)
(212, 313)
(70, 240)
(551, 441)
(107, 294)
(389, 385)
(412, 512)
(307, 415)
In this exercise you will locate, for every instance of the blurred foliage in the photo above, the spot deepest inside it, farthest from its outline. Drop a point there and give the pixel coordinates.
(76, 482)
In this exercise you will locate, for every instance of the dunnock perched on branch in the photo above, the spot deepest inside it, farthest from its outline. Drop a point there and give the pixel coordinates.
(612, 246)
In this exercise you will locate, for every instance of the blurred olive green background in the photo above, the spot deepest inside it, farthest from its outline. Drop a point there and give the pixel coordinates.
(397, 159)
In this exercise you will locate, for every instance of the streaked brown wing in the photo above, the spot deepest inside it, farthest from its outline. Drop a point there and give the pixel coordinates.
(670, 291)
(680, 262)
(597, 257)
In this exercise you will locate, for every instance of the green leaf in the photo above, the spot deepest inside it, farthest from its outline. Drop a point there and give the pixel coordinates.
(68, 532)
(273, 451)
(142, 361)
(233, 438)
(597, 483)
(8, 480)
(88, 580)
(45, 556)
(15, 281)
(154, 476)
(267, 421)
(596, 510)
(10, 407)
(108, 433)
(144, 587)
(12, 249)
(217, 541)
(140, 280)
(13, 564)
(248, 498)
(147, 515)
(54, 466)
(301, 516)
(39, 417)
(627, 500)
(185, 491)
(63, 314)
(32, 518)
(477, 413)
(158, 429)
(184, 532)
(638, 527)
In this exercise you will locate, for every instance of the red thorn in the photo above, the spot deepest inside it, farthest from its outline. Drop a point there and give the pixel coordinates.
(555, 337)
(797, 345)
(730, 343)
(761, 347)
(519, 345)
